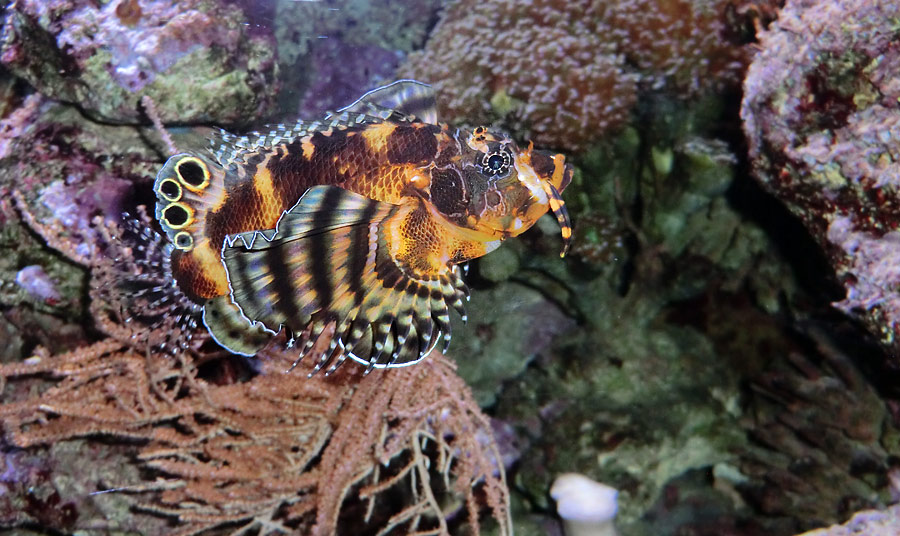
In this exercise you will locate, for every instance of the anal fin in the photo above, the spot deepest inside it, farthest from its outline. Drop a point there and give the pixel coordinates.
(231, 329)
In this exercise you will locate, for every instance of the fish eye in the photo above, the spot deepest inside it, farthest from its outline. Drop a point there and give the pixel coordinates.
(496, 163)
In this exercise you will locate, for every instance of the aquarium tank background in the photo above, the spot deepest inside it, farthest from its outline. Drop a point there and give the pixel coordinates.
(715, 354)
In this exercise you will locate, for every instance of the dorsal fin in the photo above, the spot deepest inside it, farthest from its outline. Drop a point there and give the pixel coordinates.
(400, 101)
(231, 150)
(409, 99)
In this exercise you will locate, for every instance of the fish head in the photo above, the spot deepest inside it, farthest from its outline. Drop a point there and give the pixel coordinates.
(498, 189)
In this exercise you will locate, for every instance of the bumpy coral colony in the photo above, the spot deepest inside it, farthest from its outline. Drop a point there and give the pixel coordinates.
(359, 220)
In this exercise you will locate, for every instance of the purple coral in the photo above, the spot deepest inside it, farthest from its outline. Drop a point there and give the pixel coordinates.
(35, 281)
(875, 264)
(822, 119)
(74, 202)
(15, 125)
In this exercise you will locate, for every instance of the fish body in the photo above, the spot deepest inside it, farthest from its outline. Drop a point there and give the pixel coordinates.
(359, 220)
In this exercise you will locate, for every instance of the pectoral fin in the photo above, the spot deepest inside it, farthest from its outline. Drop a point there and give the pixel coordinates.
(340, 257)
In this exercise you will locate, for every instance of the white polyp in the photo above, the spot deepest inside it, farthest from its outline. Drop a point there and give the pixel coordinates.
(587, 507)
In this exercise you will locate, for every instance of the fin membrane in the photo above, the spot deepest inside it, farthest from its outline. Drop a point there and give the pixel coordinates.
(329, 260)
(132, 280)
(403, 100)
(233, 151)
(229, 328)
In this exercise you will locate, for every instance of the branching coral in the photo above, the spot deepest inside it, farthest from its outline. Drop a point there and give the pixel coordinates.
(276, 453)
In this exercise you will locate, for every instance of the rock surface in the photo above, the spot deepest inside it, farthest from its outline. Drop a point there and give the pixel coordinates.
(822, 118)
(196, 59)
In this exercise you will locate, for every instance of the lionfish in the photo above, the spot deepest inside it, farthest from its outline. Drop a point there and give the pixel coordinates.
(359, 221)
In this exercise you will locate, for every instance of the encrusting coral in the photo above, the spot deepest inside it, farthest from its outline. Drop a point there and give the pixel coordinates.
(275, 452)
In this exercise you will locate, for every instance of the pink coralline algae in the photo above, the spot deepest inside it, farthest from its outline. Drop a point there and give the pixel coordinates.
(14, 126)
(141, 49)
(569, 71)
(868, 522)
(75, 201)
(195, 57)
(822, 119)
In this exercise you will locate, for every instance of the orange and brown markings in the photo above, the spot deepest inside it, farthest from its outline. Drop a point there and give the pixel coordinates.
(377, 161)
(199, 272)
(426, 244)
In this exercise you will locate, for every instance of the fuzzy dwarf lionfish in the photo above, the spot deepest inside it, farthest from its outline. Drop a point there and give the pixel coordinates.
(359, 220)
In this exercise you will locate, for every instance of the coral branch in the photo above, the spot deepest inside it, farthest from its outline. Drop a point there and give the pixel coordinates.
(272, 453)
(150, 109)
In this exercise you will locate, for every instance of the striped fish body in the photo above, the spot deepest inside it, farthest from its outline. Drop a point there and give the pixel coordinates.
(358, 221)
(373, 160)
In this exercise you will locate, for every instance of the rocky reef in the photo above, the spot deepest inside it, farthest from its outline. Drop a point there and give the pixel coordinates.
(66, 169)
(822, 120)
(702, 379)
(196, 58)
